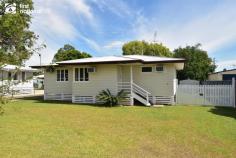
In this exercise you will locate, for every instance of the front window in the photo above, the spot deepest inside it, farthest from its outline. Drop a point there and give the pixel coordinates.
(146, 69)
(159, 68)
(81, 74)
(62, 75)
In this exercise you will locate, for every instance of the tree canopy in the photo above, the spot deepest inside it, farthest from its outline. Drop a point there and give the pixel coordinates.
(198, 64)
(16, 40)
(145, 48)
(68, 52)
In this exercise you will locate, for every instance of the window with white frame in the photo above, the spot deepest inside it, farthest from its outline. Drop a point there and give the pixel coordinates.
(146, 69)
(160, 68)
(62, 75)
(81, 74)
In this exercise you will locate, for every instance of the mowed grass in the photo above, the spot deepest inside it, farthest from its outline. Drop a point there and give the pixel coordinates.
(33, 128)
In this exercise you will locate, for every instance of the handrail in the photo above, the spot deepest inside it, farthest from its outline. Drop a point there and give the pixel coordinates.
(141, 88)
(134, 89)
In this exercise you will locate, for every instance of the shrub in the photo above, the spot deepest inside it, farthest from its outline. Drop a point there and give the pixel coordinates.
(1, 110)
(3, 101)
(107, 98)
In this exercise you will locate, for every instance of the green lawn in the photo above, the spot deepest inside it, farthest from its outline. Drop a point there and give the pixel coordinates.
(33, 129)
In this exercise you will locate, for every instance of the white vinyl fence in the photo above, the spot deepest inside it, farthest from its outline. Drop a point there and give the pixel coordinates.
(216, 95)
(17, 88)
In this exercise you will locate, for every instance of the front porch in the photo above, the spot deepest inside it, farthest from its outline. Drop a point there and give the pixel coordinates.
(129, 82)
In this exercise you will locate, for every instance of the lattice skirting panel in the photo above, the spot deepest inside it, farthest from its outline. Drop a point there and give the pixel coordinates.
(84, 99)
(92, 100)
(159, 100)
(59, 96)
(166, 100)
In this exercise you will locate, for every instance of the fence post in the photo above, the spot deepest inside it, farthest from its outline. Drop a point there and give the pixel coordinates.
(176, 84)
(234, 92)
(45, 96)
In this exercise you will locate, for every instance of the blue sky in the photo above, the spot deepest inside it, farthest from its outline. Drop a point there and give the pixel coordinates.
(100, 27)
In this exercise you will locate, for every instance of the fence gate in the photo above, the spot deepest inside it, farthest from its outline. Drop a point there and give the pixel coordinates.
(207, 94)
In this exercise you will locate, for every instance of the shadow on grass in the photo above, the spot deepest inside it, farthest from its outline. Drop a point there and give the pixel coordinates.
(39, 99)
(224, 111)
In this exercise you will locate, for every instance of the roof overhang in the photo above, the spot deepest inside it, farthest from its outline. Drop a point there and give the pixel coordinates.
(124, 62)
(43, 66)
(131, 59)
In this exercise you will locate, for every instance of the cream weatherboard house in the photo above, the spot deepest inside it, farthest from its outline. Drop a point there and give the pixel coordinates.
(148, 79)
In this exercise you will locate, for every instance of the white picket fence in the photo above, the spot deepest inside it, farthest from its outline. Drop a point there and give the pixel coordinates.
(216, 95)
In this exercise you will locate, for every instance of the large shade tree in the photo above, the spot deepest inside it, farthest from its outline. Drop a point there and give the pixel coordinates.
(198, 64)
(17, 41)
(145, 48)
(68, 52)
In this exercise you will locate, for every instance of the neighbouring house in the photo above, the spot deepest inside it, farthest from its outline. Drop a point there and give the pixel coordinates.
(147, 79)
(222, 75)
(39, 82)
(18, 78)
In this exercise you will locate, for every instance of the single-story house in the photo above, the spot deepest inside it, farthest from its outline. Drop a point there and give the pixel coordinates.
(222, 75)
(16, 73)
(18, 78)
(147, 79)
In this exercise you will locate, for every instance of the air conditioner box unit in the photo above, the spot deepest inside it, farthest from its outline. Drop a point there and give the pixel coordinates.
(91, 69)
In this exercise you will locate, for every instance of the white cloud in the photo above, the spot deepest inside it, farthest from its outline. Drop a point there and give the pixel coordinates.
(228, 64)
(55, 26)
(81, 8)
(47, 55)
(212, 30)
(117, 7)
(114, 45)
(91, 42)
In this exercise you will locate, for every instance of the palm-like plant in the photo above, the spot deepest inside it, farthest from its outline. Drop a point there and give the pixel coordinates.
(107, 98)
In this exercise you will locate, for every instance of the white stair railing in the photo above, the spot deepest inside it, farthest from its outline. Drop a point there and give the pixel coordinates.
(142, 93)
(135, 91)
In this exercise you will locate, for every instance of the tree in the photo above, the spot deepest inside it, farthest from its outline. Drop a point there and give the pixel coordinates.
(68, 52)
(16, 40)
(145, 48)
(198, 64)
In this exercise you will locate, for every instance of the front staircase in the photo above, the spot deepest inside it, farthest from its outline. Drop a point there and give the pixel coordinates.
(136, 92)
(140, 94)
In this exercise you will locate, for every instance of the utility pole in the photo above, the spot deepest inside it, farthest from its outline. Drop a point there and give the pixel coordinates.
(40, 60)
(142, 47)
(155, 37)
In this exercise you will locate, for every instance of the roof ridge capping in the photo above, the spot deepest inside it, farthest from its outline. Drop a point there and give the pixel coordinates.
(149, 56)
(122, 59)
